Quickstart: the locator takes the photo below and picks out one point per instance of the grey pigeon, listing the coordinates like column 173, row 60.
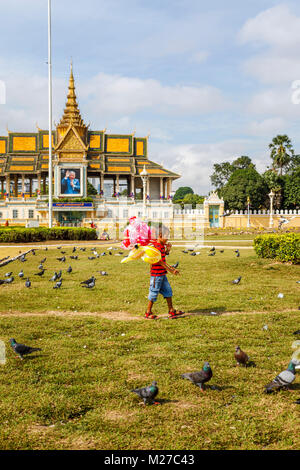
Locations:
column 297, row 332
column 103, row 273
column 103, row 254
column 212, row 249
column 175, row 265
column 199, row 378
column 90, row 285
column 284, row 379
column 82, row 249
column 237, row 281
column 297, row 402
column 2, row 282
column 41, row 266
column 238, row 254
column 23, row 259
column 54, row 277
column 21, row 274
column 33, row 252
column 9, row 280
column 74, row 249
column 69, row 270
column 41, row 273
column 91, row 257
column 58, row 285
column 8, row 274
column 27, row 283
column 147, row 393
column 59, row 274
column 21, row 349
column 88, row 281
column 43, row 260
column 212, row 254
column 74, row 257
column 63, row 259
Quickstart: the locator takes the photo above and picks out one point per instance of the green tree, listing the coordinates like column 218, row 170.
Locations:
column 181, row 192
column 90, row 189
column 243, row 183
column 281, row 152
column 193, row 199
column 223, row 171
column 291, row 190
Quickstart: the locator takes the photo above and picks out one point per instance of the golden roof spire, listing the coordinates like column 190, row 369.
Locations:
column 71, row 113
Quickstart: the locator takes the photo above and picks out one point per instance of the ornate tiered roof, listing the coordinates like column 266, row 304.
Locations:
column 72, row 141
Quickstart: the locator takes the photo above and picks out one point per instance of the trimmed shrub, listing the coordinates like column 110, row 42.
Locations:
column 285, row 247
column 25, row 235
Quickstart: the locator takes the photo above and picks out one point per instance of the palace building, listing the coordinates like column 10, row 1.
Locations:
column 95, row 174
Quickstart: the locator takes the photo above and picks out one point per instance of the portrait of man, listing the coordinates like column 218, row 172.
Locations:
column 70, row 181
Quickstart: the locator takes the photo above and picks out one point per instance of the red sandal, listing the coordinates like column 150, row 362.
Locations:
column 175, row 313
column 150, row 316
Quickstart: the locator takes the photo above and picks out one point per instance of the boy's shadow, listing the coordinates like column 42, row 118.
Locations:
column 206, row 311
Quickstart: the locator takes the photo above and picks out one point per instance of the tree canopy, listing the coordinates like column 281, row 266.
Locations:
column 181, row 192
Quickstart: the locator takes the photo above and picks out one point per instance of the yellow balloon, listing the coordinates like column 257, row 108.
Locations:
column 149, row 254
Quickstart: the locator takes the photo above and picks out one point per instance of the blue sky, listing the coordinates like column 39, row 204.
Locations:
column 209, row 81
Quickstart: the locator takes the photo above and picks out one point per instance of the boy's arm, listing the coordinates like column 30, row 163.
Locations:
column 168, row 268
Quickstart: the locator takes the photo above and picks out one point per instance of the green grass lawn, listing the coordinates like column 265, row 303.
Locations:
column 75, row 394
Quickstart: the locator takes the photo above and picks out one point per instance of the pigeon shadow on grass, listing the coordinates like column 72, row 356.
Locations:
column 250, row 364
column 294, row 387
column 164, row 401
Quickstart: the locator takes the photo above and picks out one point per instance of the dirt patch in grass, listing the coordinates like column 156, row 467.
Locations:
column 117, row 415
column 39, row 429
column 117, row 316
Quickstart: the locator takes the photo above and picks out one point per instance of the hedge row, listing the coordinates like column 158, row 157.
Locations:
column 23, row 235
column 284, row 247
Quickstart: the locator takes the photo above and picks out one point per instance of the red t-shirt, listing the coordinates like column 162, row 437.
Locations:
column 156, row 269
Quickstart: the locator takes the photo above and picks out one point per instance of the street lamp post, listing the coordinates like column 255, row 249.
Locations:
column 271, row 196
column 248, row 201
column 50, row 115
column 144, row 176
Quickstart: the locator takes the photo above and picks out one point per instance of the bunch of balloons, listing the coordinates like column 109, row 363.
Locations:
column 137, row 237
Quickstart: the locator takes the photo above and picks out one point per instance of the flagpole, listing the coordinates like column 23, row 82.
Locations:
column 50, row 115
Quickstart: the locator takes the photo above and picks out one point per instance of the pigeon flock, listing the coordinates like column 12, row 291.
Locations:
column 148, row 393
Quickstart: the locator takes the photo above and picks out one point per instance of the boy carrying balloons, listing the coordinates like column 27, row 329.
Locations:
column 159, row 283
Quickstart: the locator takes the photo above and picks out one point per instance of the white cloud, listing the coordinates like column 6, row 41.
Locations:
column 116, row 94
column 267, row 127
column 195, row 162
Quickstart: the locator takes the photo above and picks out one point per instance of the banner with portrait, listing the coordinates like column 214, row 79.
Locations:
column 70, row 182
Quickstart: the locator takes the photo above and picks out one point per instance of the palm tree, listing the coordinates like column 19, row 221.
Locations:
column 282, row 152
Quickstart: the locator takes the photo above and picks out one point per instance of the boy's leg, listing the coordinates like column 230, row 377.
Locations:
column 155, row 283
column 166, row 291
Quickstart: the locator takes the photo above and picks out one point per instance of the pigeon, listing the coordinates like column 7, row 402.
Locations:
column 27, row 283
column 147, row 393
column 297, row 402
column 43, row 260
column 2, row 282
column 238, row 254
column 90, row 285
column 88, row 281
column 74, row 257
column 212, row 249
column 221, row 251
column 23, row 259
column 284, row 379
column 63, row 252
column 58, row 285
column 212, row 254
column 54, row 277
column 82, row 249
column 41, row 266
column 59, row 247
column 33, row 252
column 91, row 257
column 21, row 349
column 59, row 274
column 74, row 249
column 297, row 332
column 69, row 270
column 110, row 252
column 184, row 251
column 193, row 254
column 237, row 281
column 199, row 378
column 46, row 249
column 63, row 259
column 175, row 265
column 8, row 274
column 21, row 274
column 41, row 273
column 103, row 273
column 103, row 254
column 9, row 280
column 240, row 356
